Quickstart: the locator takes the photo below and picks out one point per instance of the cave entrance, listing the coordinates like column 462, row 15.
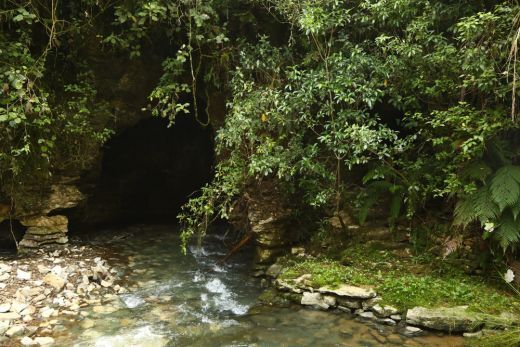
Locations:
column 148, row 172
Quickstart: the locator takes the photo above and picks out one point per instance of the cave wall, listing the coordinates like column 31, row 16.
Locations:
column 44, row 208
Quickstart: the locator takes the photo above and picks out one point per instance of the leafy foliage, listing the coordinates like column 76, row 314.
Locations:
column 416, row 96
column 44, row 126
column 411, row 92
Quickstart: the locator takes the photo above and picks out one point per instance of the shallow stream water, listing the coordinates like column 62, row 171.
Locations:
column 194, row 300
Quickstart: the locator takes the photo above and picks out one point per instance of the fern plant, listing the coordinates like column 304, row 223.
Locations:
column 380, row 182
column 495, row 204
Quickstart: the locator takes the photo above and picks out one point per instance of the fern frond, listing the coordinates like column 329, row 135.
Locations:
column 395, row 209
column 477, row 170
column 499, row 152
column 477, row 206
column 508, row 233
column 368, row 202
column 505, row 186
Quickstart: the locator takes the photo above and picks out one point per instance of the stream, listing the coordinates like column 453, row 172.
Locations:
column 194, row 300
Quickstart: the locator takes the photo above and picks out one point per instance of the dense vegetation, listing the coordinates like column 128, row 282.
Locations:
column 411, row 101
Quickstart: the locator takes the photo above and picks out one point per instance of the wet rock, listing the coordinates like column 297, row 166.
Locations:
column 352, row 304
column 384, row 311
column 410, row 331
column 317, row 300
column 396, row 317
column 451, row 319
column 368, row 304
column 104, row 309
column 344, row 309
column 367, row 315
column 283, row 285
column 387, row 321
column 87, row 324
column 349, row 291
column 44, row 341
column 274, row 270
column 15, row 330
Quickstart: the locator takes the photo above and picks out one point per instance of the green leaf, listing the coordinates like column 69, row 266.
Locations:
column 477, row 206
column 395, row 209
column 505, row 186
column 477, row 170
column 509, row 231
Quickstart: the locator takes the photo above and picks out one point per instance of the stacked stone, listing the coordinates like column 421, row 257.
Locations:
column 44, row 230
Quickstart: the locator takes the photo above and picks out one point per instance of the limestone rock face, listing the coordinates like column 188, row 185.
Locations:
column 268, row 216
column 455, row 319
column 33, row 206
column 44, row 230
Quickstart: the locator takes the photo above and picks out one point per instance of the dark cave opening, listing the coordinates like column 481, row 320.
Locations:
column 9, row 231
column 147, row 173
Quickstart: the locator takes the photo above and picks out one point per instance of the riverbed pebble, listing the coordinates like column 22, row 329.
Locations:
column 39, row 289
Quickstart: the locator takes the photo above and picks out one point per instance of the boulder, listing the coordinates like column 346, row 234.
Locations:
column 348, row 291
column 318, row 300
column 451, row 319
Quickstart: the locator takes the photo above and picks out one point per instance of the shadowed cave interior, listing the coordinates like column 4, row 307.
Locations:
column 148, row 172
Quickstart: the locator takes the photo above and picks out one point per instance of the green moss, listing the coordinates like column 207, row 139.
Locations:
column 325, row 272
column 406, row 282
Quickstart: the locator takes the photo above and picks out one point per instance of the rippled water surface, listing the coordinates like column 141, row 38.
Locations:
column 194, row 300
